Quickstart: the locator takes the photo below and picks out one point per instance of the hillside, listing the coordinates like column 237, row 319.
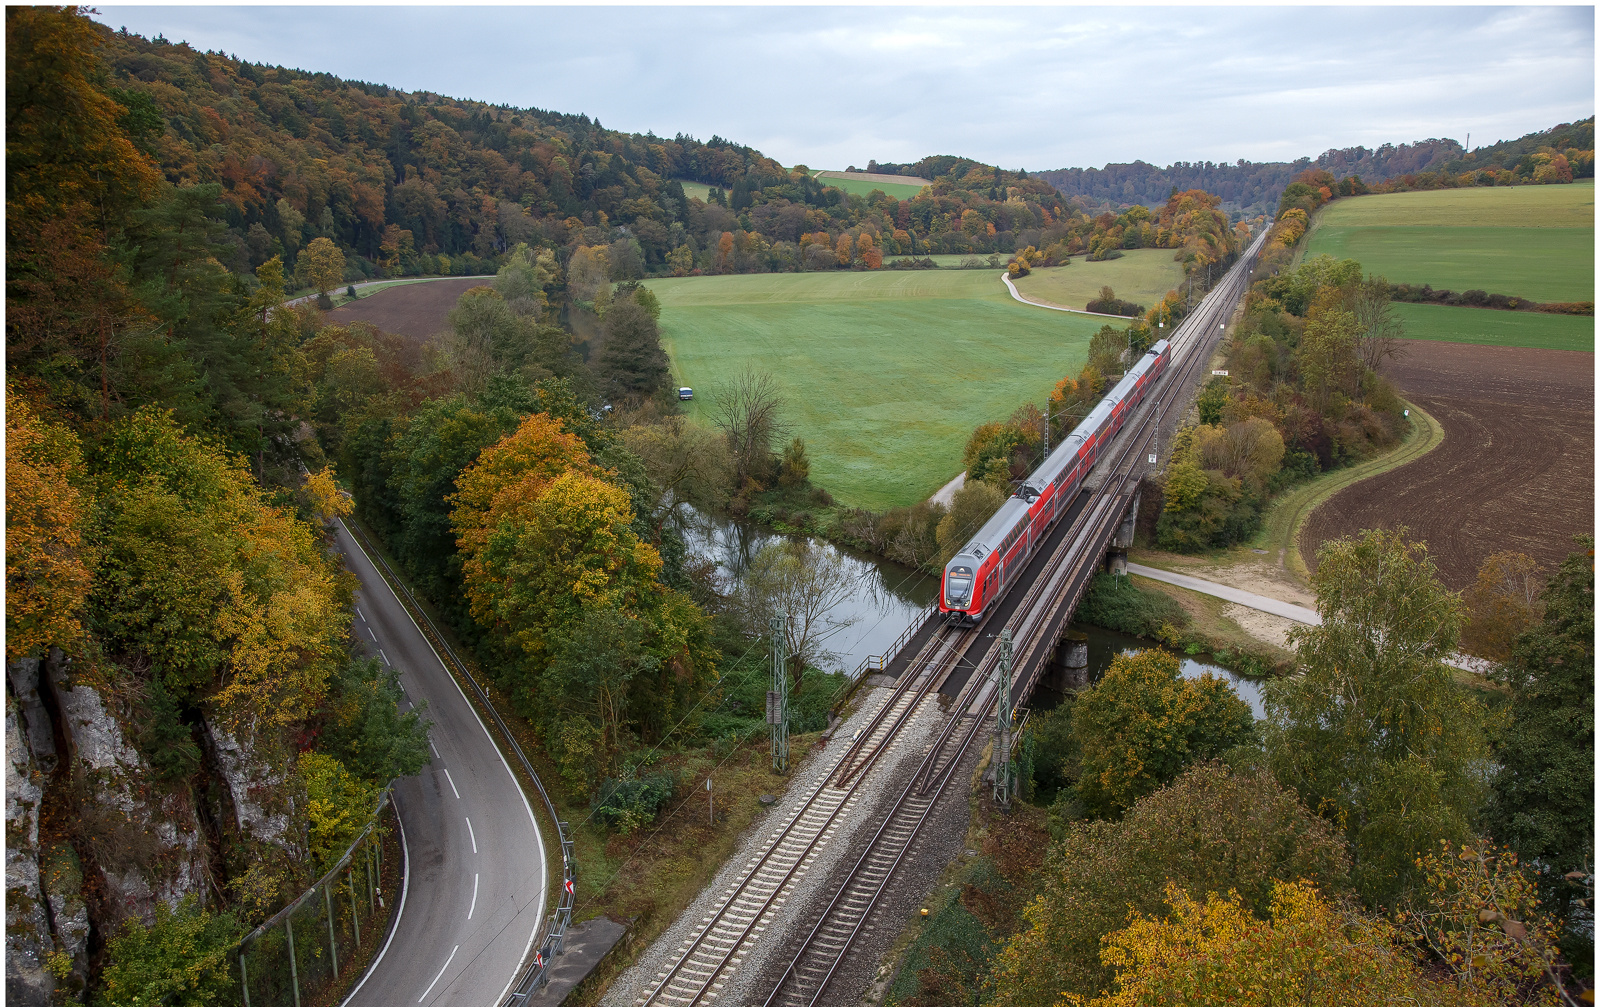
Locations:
column 1249, row 188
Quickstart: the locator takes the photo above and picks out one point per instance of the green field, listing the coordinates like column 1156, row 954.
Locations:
column 862, row 187
column 1534, row 241
column 696, row 190
column 1497, row 328
column 885, row 373
column 1142, row 275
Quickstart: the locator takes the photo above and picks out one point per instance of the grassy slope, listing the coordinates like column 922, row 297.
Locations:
column 1280, row 526
column 1142, row 275
column 1497, row 328
column 885, row 373
column 862, row 187
column 1532, row 241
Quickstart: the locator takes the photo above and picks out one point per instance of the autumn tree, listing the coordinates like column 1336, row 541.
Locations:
column 972, row 505
column 588, row 273
column 1481, row 922
column 1211, row 830
column 226, row 597
column 321, row 266
column 522, row 281
column 1374, row 732
column 1378, row 328
column 48, row 560
column 1307, row 949
column 1502, row 603
column 1144, row 723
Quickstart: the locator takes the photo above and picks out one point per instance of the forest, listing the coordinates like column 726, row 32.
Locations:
column 1250, row 189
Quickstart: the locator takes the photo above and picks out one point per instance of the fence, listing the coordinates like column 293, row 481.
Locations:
column 297, row 955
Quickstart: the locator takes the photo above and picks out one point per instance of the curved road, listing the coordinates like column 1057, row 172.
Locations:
column 476, row 880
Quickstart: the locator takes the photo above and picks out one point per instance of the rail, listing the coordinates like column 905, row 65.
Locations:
column 1064, row 577
column 555, row 928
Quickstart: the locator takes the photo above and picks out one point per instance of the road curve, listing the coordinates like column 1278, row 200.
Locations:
column 476, row 889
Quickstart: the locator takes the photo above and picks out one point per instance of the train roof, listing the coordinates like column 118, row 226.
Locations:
column 996, row 528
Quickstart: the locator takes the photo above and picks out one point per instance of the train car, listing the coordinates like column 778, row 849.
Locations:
column 978, row 576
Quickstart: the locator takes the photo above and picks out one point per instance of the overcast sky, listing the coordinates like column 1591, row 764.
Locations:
column 1021, row 86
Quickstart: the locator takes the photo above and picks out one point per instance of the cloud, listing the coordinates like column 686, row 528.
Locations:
column 1035, row 87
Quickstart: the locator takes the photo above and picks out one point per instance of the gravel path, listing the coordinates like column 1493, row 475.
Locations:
column 882, row 784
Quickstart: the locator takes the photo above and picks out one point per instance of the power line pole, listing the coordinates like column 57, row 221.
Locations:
column 1002, row 747
column 778, row 699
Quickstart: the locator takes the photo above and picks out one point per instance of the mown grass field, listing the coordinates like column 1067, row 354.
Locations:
column 885, row 373
column 1497, row 328
column 1142, row 275
column 863, row 187
column 695, row 190
column 1534, row 241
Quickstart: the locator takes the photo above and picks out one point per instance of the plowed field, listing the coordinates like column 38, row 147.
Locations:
column 1515, row 471
column 412, row 309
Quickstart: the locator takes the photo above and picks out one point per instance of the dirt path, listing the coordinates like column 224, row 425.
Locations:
column 1515, row 471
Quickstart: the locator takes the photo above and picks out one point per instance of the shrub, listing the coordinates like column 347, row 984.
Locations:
column 629, row 802
column 1115, row 603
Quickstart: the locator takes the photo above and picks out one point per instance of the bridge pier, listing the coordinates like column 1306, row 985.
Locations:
column 1068, row 670
column 1117, row 550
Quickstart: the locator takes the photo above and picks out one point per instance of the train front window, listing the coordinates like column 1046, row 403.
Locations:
column 958, row 587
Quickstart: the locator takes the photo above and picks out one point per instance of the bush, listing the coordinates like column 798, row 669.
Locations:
column 350, row 291
column 324, row 302
column 1115, row 603
column 630, row 802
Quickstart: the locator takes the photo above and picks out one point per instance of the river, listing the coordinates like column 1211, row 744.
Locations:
column 889, row 597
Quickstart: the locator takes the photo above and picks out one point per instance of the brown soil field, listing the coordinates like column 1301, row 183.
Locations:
column 1515, row 471
column 418, row 310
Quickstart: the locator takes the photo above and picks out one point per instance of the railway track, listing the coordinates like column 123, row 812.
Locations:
column 703, row 965
column 1066, row 573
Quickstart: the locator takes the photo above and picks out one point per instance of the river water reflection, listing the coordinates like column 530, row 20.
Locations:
column 887, row 599
column 1104, row 644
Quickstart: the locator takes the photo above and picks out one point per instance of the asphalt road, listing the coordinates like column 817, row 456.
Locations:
column 476, row 879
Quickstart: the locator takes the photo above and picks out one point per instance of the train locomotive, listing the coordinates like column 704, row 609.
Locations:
column 977, row 577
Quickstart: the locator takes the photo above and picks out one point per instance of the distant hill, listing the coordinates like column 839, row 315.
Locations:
column 1248, row 188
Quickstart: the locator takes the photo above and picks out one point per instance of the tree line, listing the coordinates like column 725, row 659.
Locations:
column 1250, row 189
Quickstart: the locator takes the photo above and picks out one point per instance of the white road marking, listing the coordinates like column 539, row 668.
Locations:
column 372, row 634
column 358, row 612
column 527, row 806
column 453, row 789
column 472, row 835
column 384, row 656
column 436, row 978
column 435, row 750
column 474, row 897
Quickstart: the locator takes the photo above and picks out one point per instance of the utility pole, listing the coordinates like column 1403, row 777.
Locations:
column 778, row 699
column 1002, row 746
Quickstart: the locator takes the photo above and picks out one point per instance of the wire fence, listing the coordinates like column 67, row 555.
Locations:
column 323, row 938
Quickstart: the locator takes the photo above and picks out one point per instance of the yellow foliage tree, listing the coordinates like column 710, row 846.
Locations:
column 326, row 499
column 321, row 265
column 512, row 475
column 1216, row 952
column 47, row 561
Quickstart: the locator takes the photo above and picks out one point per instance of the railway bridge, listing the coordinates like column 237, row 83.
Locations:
column 765, row 935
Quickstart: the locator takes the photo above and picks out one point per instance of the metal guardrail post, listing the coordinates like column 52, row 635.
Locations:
column 333, row 938
column 294, row 968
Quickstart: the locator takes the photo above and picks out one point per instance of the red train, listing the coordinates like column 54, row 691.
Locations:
column 979, row 575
